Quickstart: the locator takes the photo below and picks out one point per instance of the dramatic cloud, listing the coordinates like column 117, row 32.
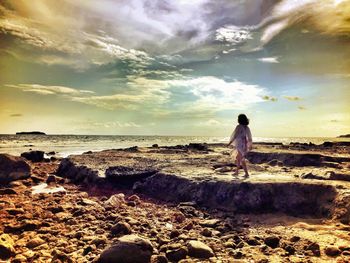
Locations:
column 232, row 34
column 208, row 94
column 316, row 14
column 196, row 62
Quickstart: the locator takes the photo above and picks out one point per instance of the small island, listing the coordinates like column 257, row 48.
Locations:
column 31, row 133
column 344, row 136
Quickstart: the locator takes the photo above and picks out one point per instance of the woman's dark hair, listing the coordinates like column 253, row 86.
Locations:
column 242, row 119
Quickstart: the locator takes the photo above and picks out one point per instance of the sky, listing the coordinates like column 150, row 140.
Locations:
column 167, row 67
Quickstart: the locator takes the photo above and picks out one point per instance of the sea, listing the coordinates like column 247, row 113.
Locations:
column 64, row 145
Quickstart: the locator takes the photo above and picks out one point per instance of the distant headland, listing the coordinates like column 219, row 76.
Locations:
column 31, row 133
column 344, row 136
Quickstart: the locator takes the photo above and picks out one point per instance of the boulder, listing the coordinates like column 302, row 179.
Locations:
column 6, row 247
column 177, row 254
column 34, row 156
column 272, row 241
column 13, row 168
column 128, row 249
column 332, row 251
column 198, row 249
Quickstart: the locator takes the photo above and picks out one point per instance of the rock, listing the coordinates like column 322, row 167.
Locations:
column 288, row 247
column 198, row 249
column 155, row 145
column 293, row 159
column 174, row 233
column 19, row 259
column 121, row 228
column 51, row 179
column 272, row 241
column 339, row 177
column 253, row 242
column 25, row 225
column 13, row 168
column 15, row 211
column 237, row 254
column 127, row 176
column 294, row 239
column 312, row 176
column 177, row 254
column 210, row 222
column 159, row 259
column 87, row 202
column 7, row 191
column 34, row 156
column 179, row 217
column 128, row 249
column 328, row 144
column 37, row 179
column 99, row 241
column 6, row 247
column 115, row 200
column 59, row 256
column 206, row 232
column 332, row 251
column 314, row 248
column 134, row 198
column 35, row 242
column 198, row 146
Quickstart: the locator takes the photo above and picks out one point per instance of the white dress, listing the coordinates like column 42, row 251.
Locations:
column 241, row 140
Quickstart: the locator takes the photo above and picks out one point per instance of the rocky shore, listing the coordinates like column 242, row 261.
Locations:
column 177, row 204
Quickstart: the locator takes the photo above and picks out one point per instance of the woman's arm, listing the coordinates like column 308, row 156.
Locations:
column 233, row 136
column 249, row 139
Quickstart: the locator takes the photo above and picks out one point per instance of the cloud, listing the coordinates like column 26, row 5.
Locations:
column 204, row 94
column 265, row 97
column 292, row 98
column 301, row 108
column 215, row 94
column 16, row 115
column 114, row 124
column 269, row 60
column 232, row 34
column 213, row 123
column 229, row 50
column 312, row 13
column 140, row 92
column 49, row 90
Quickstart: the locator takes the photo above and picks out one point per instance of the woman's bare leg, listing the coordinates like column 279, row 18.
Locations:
column 244, row 166
column 238, row 162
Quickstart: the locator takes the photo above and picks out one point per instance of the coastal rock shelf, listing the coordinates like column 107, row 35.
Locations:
column 294, row 198
column 204, row 175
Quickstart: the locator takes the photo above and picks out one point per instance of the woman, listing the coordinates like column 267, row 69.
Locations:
column 241, row 139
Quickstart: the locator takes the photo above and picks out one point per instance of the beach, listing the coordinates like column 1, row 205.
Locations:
column 180, row 203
